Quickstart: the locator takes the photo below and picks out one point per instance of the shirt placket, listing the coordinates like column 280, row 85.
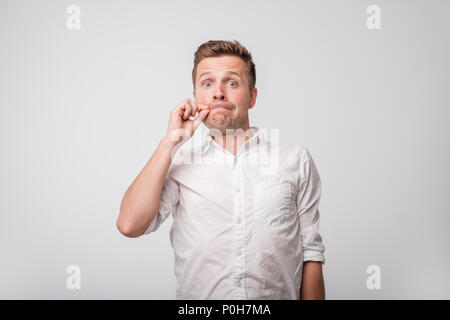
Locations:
column 239, row 232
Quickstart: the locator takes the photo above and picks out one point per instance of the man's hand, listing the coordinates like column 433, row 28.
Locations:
column 180, row 126
column 141, row 201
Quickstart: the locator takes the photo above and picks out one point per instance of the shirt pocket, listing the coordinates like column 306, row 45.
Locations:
column 273, row 202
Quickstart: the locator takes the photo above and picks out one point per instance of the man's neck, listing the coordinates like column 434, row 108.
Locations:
column 233, row 142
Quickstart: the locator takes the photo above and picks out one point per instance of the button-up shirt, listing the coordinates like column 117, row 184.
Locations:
column 243, row 224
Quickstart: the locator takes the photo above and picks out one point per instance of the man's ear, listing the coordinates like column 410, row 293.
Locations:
column 253, row 98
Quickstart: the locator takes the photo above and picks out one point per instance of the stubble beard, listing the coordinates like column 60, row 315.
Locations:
column 223, row 122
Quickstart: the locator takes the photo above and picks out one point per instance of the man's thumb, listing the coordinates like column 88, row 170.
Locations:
column 200, row 117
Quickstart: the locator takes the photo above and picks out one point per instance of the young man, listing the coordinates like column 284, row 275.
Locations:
column 238, row 232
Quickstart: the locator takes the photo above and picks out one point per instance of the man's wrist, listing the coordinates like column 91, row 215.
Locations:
column 168, row 142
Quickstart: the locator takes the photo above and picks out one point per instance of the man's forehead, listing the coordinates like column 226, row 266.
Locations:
column 231, row 63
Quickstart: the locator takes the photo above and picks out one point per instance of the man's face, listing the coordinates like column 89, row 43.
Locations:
column 222, row 84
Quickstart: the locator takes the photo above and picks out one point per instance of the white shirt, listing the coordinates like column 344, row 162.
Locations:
column 241, row 228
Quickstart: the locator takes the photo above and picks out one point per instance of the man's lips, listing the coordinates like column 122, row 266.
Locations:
column 220, row 107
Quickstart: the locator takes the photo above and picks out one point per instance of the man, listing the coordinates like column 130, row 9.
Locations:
column 238, row 232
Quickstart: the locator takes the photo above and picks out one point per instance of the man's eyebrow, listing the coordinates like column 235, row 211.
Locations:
column 235, row 73
column 228, row 72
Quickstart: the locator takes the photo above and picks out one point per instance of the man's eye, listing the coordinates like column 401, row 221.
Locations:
column 233, row 83
column 207, row 84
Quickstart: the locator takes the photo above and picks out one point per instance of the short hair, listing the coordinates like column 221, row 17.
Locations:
column 217, row 48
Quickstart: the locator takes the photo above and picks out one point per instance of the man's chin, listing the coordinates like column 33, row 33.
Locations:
column 219, row 122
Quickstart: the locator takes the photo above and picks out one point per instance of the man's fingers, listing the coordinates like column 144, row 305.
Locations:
column 199, row 106
column 200, row 118
column 203, row 107
column 187, row 111
column 194, row 107
column 203, row 114
column 188, row 108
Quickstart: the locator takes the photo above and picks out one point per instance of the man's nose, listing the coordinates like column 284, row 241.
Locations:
column 219, row 94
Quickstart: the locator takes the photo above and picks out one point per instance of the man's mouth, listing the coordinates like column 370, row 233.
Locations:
column 221, row 107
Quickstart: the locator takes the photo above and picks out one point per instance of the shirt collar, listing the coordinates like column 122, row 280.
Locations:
column 257, row 136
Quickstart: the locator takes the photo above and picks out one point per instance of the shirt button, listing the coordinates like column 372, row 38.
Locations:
column 238, row 284
column 238, row 252
column 238, row 220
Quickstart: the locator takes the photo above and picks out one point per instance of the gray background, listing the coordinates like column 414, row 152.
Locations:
column 82, row 112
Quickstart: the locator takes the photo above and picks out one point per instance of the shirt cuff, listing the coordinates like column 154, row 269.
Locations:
column 153, row 225
column 313, row 255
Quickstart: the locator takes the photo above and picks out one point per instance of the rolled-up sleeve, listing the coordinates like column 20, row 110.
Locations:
column 308, row 200
column 167, row 204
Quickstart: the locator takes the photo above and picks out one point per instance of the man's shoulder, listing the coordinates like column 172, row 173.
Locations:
column 293, row 150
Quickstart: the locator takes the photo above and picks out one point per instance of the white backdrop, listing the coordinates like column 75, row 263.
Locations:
column 82, row 111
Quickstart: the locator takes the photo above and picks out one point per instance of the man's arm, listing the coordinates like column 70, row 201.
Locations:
column 313, row 286
column 308, row 199
column 141, row 201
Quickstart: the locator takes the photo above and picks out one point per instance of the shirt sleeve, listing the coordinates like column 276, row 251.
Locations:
column 308, row 209
column 167, row 204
